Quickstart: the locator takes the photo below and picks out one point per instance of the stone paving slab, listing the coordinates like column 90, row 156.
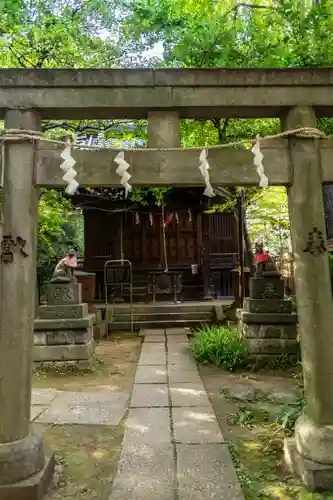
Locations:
column 181, row 360
column 150, row 347
column 154, row 338
column 149, row 395
column 182, row 348
column 95, row 408
column 152, row 358
column 43, row 396
column 35, row 411
column 145, row 472
column 205, row 471
column 177, row 338
column 177, row 373
column 151, row 375
column 177, row 331
column 153, row 331
column 191, row 394
column 196, row 426
column 148, row 425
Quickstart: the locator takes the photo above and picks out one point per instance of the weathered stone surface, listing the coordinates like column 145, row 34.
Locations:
column 206, row 471
column 100, row 331
column 95, row 408
column 267, row 305
column 76, row 94
column 154, row 338
column 62, row 311
column 270, row 318
column 316, row 476
column 178, row 373
column 196, row 425
column 148, row 425
column 185, row 361
column 43, row 396
column 266, row 288
column 163, row 129
column 145, row 472
column 152, row 358
column 188, row 394
column 152, row 331
column 36, row 411
column 63, row 352
column 40, row 338
column 149, row 395
column 64, row 294
column 32, row 488
column 313, row 288
column 176, row 338
column 18, row 284
column 64, row 324
column 271, row 346
column 151, row 374
column 63, row 337
column 177, row 331
column 253, row 330
column 21, row 459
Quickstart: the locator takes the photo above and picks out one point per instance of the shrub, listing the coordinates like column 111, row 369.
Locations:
column 220, row 345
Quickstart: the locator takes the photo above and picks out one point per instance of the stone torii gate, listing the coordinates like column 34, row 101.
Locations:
column 164, row 97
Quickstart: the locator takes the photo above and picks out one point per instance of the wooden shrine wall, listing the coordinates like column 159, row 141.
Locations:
column 138, row 236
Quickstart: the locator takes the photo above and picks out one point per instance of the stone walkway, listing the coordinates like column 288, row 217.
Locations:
column 173, row 448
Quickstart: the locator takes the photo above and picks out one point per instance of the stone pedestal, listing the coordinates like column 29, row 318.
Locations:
column 266, row 320
column 100, row 326
column 63, row 329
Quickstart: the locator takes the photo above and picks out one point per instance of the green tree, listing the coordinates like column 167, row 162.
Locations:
column 206, row 33
column 60, row 228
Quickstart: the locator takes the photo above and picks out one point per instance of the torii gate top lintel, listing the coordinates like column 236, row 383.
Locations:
column 193, row 93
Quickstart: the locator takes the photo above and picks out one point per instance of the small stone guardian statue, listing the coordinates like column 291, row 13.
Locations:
column 64, row 270
column 264, row 264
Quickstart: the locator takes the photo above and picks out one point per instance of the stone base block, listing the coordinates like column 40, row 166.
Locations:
column 281, row 306
column 75, row 352
column 271, row 346
column 266, row 318
column 266, row 288
column 72, row 311
column 33, row 488
column 315, row 476
column 64, row 293
column 100, row 331
column 63, row 337
column 254, row 331
column 64, row 324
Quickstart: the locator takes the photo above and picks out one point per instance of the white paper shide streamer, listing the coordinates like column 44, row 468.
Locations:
column 257, row 160
column 122, row 171
column 70, row 172
column 204, row 169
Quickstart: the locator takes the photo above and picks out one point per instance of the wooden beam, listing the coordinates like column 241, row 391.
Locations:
column 166, row 168
column 194, row 93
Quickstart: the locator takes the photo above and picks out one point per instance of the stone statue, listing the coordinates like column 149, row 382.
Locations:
column 264, row 264
column 64, row 270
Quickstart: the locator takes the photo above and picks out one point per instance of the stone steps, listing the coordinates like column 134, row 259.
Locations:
column 162, row 317
column 126, row 326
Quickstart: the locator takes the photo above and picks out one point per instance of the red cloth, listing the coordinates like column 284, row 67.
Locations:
column 261, row 257
column 71, row 261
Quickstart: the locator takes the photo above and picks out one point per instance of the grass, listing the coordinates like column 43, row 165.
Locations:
column 88, row 458
column 220, row 345
column 224, row 347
